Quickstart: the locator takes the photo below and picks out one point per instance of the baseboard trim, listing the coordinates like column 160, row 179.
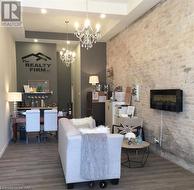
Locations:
column 172, row 158
column 3, row 150
column 180, row 162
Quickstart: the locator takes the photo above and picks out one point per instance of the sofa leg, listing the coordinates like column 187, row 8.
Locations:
column 70, row 185
column 114, row 181
column 91, row 184
column 27, row 138
column 102, row 184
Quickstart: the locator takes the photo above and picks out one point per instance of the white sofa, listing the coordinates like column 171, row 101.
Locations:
column 69, row 147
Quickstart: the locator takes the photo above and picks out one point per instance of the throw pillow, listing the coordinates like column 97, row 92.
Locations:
column 99, row 129
column 83, row 126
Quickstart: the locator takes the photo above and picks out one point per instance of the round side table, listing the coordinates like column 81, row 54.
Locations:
column 137, row 154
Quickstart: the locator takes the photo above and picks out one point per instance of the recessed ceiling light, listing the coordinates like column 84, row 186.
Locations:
column 102, row 16
column 68, row 42
column 35, row 40
column 43, row 11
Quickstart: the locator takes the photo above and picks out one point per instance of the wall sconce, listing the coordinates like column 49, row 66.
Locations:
column 15, row 97
column 135, row 92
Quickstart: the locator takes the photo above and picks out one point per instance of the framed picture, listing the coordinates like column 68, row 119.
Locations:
column 26, row 88
column 95, row 96
column 109, row 72
column 102, row 99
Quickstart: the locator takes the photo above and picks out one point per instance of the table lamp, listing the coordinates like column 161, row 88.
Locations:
column 93, row 79
column 15, row 97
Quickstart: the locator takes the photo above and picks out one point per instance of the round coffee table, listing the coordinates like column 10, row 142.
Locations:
column 137, row 154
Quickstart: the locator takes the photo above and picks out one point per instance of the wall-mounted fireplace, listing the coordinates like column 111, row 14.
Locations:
column 167, row 99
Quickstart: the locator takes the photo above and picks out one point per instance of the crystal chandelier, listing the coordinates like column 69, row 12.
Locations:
column 67, row 56
column 87, row 35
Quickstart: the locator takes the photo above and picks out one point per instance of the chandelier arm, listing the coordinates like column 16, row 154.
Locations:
column 87, row 9
column 67, row 56
column 87, row 35
column 67, row 22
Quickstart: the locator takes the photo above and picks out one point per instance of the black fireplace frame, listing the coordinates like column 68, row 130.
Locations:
column 167, row 99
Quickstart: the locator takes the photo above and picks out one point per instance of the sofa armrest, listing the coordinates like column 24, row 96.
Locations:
column 115, row 144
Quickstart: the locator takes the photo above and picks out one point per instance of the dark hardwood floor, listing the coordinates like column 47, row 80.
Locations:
column 37, row 166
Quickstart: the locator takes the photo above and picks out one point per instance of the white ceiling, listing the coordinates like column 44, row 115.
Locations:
column 120, row 13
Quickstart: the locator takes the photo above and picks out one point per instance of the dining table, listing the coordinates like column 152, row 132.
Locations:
column 20, row 121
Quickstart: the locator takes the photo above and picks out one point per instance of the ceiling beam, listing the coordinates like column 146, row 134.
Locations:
column 94, row 6
column 50, row 35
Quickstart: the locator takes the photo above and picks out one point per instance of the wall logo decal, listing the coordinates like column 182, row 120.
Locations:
column 38, row 62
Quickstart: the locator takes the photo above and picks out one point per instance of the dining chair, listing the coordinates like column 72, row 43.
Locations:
column 50, row 121
column 32, row 123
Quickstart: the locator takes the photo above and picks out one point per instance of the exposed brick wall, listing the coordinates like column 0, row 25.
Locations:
column 157, row 52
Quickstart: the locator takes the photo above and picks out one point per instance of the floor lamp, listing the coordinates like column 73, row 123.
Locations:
column 15, row 97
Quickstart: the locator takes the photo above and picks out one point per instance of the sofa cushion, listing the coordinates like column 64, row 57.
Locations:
column 84, row 121
column 82, row 126
column 68, row 126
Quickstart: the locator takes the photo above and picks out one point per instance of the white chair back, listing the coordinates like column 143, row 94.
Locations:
column 50, row 120
column 33, row 120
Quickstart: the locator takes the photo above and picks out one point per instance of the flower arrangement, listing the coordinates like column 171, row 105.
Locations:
column 131, row 137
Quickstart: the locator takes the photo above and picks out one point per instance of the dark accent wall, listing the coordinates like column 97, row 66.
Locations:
column 76, row 83
column 93, row 61
column 23, row 73
column 63, row 85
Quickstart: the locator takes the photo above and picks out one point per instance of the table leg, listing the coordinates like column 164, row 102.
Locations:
column 145, row 156
column 14, row 132
column 127, row 161
column 142, row 158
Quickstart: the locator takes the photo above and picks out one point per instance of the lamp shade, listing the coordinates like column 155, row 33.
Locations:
column 93, row 79
column 14, row 96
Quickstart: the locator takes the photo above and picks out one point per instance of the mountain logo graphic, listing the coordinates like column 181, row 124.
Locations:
column 36, row 57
